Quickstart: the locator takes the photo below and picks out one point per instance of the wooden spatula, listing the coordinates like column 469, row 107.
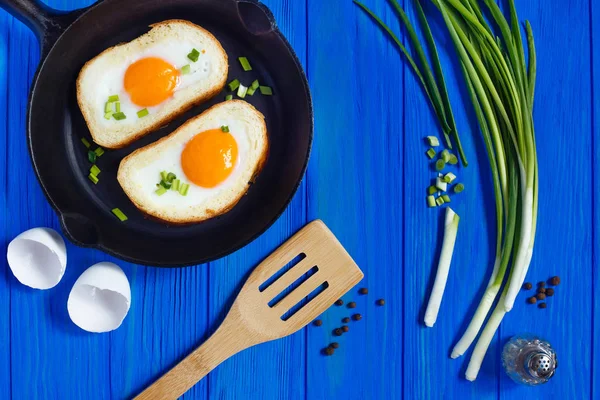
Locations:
column 262, row 312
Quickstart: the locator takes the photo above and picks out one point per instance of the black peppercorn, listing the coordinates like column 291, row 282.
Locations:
column 549, row 292
column 345, row 328
column 541, row 284
column 337, row 332
column 542, row 305
column 541, row 290
column 351, row 304
column 531, row 300
column 334, row 345
column 363, row 291
column 328, row 351
column 318, row 322
column 555, row 280
column 380, row 302
column 527, row 286
column 340, row 302
column 356, row 317
column 540, row 296
column 345, row 320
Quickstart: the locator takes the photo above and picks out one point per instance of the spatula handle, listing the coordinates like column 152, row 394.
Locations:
column 220, row 346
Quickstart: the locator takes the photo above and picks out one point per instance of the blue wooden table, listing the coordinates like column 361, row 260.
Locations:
column 366, row 179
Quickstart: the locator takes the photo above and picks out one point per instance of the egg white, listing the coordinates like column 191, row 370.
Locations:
column 169, row 160
column 170, row 50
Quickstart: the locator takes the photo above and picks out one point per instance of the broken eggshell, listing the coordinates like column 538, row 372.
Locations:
column 38, row 258
column 100, row 298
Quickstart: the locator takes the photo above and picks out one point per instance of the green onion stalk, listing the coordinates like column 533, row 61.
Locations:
column 502, row 90
column 501, row 86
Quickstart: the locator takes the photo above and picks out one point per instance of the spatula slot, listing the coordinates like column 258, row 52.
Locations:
column 281, row 272
column 290, row 313
column 293, row 286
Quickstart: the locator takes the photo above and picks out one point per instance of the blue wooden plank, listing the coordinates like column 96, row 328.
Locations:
column 355, row 186
column 5, row 377
column 595, row 40
column 428, row 349
column 274, row 370
column 563, row 243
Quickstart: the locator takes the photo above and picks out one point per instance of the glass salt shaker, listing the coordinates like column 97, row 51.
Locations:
column 529, row 360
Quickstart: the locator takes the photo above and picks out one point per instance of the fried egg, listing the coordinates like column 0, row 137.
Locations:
column 218, row 154
column 154, row 77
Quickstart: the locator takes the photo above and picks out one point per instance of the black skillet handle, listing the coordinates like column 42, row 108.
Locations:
column 47, row 23
column 255, row 16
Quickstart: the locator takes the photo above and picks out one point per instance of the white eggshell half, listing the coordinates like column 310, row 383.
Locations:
column 38, row 258
column 100, row 298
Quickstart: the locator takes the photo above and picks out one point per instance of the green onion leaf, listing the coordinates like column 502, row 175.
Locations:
column 446, row 198
column 225, row 128
column 175, row 185
column 439, row 201
column 113, row 98
column 433, row 141
column 108, row 115
column 234, row 84
column 245, row 64
column 431, row 201
column 93, row 178
column 242, row 90
column 163, row 175
column 108, row 107
column 432, row 189
column 118, row 106
column 85, row 142
column 194, row 54
column 183, row 189
column 165, row 184
column 94, row 170
column 99, row 151
column 122, row 217
column 255, row 84
column 92, row 156
column 142, row 113
column 229, row 97
column 449, row 177
column 453, row 159
column 119, row 116
column 250, row 92
column 459, row 188
column 171, row 177
column 160, row 191
column 266, row 90
column 440, row 165
column 445, row 155
column 185, row 69
column 430, row 153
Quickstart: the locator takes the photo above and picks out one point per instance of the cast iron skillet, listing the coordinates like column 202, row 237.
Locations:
column 55, row 126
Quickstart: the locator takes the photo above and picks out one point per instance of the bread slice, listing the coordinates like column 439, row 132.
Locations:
column 170, row 40
column 139, row 172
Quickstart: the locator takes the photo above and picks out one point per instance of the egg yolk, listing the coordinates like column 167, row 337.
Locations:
column 150, row 81
column 208, row 159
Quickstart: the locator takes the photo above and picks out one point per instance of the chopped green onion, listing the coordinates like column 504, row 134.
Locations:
column 118, row 106
column 266, row 90
column 108, row 115
column 440, row 165
column 85, row 142
column 92, row 156
column 185, row 69
column 122, row 217
column 234, row 84
column 245, row 64
column 433, row 141
column 250, row 92
column 113, row 98
column 194, row 54
column 99, row 151
column 453, row 159
column 108, row 107
column 93, row 178
column 441, row 276
column 171, row 177
column 175, row 185
column 119, row 116
column 142, row 113
column 430, row 153
column 255, row 84
column 459, row 188
column 449, row 177
column 431, row 201
column 94, row 170
column 160, row 191
column 242, row 90
column 439, row 201
column 165, row 184
column 446, row 198
column 225, row 128
column 229, row 97
column 183, row 189
column 445, row 155
column 163, row 175
column 440, row 184
column 432, row 189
